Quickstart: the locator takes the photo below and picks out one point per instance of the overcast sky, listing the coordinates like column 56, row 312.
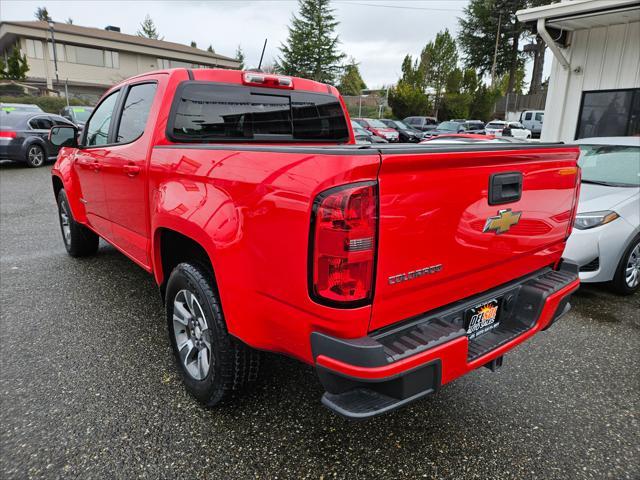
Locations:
column 377, row 33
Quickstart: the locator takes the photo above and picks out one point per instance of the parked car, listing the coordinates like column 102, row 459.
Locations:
column 77, row 114
column 19, row 107
column 474, row 127
column 407, row 134
column 267, row 228
column 363, row 136
column 378, row 128
column 516, row 130
column 605, row 242
column 532, row 120
column 508, row 129
column 24, row 137
column 424, row 124
column 447, row 128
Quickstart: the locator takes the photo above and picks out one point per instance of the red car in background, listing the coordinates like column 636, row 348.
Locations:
column 378, row 128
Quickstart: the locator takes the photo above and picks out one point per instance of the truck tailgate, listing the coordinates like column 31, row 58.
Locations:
column 437, row 241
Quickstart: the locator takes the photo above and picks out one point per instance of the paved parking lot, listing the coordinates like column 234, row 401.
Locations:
column 89, row 388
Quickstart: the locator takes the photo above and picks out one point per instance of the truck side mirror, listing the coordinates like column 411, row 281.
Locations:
column 64, row 136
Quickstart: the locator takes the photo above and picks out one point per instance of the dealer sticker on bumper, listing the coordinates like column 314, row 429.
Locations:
column 482, row 318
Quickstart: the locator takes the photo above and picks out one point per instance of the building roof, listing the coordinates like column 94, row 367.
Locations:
column 119, row 37
column 579, row 14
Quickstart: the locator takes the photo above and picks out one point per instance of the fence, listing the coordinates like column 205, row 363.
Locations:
column 516, row 103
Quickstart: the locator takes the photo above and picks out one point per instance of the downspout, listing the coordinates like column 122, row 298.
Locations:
column 553, row 46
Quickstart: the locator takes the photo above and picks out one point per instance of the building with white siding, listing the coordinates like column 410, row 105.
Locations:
column 594, row 87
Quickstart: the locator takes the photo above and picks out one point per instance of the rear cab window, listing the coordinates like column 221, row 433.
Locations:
column 213, row 112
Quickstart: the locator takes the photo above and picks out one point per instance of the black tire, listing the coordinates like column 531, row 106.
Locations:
column 619, row 283
column 78, row 239
column 233, row 365
column 35, row 156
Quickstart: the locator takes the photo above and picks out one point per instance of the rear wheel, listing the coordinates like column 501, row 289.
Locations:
column 35, row 156
column 214, row 364
column 627, row 278
column 78, row 239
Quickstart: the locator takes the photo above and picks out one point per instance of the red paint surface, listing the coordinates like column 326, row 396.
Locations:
column 251, row 210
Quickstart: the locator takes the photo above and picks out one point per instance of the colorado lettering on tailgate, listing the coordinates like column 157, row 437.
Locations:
column 267, row 228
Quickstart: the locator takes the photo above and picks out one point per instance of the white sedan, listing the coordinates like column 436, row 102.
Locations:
column 500, row 128
column 605, row 241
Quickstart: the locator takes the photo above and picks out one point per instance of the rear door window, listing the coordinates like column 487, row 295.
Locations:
column 41, row 123
column 206, row 111
column 135, row 112
column 527, row 116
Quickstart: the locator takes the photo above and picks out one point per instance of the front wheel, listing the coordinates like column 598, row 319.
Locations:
column 78, row 239
column 214, row 364
column 627, row 278
column 35, row 156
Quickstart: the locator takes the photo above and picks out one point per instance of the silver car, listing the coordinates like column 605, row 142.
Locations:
column 605, row 242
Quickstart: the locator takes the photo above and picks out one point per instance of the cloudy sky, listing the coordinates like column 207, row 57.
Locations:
column 377, row 33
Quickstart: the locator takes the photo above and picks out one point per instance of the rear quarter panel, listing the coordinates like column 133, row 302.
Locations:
column 251, row 211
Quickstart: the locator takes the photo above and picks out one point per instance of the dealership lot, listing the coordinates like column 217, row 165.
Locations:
column 89, row 387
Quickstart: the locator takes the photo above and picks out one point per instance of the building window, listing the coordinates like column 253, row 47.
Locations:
column 60, row 57
column 34, row 49
column 163, row 63
column 609, row 113
column 92, row 56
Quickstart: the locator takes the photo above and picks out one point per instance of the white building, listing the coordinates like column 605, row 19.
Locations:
column 594, row 87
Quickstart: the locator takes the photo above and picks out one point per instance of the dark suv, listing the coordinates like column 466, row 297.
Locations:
column 424, row 124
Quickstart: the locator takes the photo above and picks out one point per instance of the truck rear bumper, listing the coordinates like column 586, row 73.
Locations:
column 395, row 366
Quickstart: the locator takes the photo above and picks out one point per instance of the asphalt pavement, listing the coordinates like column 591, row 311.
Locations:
column 89, row 388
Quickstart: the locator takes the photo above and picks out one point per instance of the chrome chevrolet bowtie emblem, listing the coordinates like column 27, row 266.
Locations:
column 502, row 222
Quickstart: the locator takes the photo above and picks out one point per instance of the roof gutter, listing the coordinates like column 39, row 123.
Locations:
column 553, row 46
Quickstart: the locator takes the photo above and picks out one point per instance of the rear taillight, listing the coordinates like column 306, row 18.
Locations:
column 343, row 245
column 7, row 134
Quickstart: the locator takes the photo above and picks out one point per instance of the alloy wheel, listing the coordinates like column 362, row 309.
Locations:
column 35, row 156
column 632, row 271
column 192, row 335
column 65, row 222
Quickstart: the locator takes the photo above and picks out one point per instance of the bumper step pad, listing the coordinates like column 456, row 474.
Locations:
column 521, row 304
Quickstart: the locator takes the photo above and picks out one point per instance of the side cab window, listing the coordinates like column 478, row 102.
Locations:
column 97, row 128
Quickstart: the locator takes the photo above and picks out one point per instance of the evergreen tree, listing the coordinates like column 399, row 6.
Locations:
column 438, row 59
column 210, row 49
column 42, row 14
column 17, row 66
column 477, row 37
column 311, row 50
column 408, row 100
column 351, row 82
column 240, row 57
column 194, row 44
column 148, row 29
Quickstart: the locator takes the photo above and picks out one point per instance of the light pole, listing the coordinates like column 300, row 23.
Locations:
column 53, row 47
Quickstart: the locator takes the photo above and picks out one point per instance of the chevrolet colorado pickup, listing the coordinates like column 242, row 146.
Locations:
column 393, row 269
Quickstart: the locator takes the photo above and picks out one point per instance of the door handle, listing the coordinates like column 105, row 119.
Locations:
column 96, row 166
column 132, row 170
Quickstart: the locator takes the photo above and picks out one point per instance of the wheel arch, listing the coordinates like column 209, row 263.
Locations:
column 172, row 247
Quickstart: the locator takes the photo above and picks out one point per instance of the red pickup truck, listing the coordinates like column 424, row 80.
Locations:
column 393, row 269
